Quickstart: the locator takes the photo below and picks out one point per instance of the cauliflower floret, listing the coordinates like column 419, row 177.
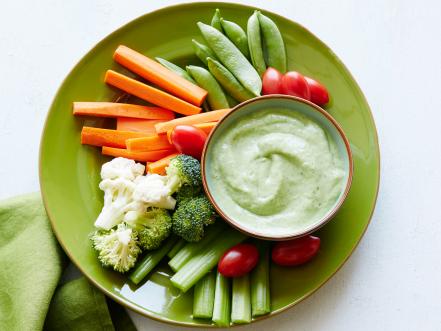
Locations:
column 122, row 168
column 153, row 190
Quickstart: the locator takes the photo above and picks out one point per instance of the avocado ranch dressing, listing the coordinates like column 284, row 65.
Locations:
column 276, row 171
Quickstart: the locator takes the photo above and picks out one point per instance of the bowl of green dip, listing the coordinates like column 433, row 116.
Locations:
column 277, row 167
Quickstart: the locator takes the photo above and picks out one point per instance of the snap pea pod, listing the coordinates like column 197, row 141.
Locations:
column 237, row 35
column 216, row 97
column 203, row 51
column 176, row 69
column 232, row 58
column 273, row 41
column 255, row 44
column 227, row 80
column 231, row 101
column 216, row 20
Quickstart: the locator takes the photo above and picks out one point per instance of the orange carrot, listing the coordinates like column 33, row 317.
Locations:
column 159, row 166
column 105, row 137
column 159, row 75
column 137, row 156
column 150, row 143
column 150, row 94
column 206, row 127
column 113, row 109
column 210, row 116
column 137, row 125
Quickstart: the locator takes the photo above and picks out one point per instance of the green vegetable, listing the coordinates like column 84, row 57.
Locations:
column 191, row 217
column 202, row 51
column 205, row 260
column 231, row 101
column 151, row 260
column 255, row 44
column 187, row 192
column 176, row 248
column 237, row 35
column 222, row 301
column 228, row 81
column 176, row 69
column 152, row 226
column 260, row 283
column 203, row 296
column 273, row 41
column 240, row 302
column 190, row 249
column 117, row 248
column 216, row 20
column 232, row 58
column 216, row 97
column 183, row 170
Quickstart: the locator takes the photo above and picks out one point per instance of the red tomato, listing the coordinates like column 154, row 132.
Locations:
column 319, row 94
column 293, row 83
column 238, row 260
column 295, row 252
column 271, row 81
column 189, row 140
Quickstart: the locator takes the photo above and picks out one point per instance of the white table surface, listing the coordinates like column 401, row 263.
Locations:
column 393, row 48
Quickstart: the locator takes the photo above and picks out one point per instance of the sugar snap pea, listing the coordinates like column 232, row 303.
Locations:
column 203, row 51
column 216, row 97
column 255, row 44
column 227, row 80
column 273, row 41
column 216, row 20
column 232, row 58
column 176, row 69
column 237, row 35
column 231, row 101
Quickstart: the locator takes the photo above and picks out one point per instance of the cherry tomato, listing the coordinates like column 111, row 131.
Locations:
column 189, row 140
column 238, row 260
column 293, row 83
column 319, row 94
column 295, row 252
column 271, row 81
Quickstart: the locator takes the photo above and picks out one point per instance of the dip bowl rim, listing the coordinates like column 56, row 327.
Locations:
column 295, row 234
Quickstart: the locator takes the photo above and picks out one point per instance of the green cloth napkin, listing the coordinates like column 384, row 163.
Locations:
column 31, row 265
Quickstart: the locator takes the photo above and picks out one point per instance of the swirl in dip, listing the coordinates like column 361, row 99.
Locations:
column 276, row 171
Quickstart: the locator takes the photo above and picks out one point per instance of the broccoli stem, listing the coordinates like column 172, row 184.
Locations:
column 260, row 283
column 190, row 249
column 176, row 248
column 241, row 305
column 206, row 259
column 203, row 296
column 151, row 260
column 222, row 301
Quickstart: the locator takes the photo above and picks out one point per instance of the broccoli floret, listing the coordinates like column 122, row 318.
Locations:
column 183, row 170
column 187, row 192
column 191, row 216
column 117, row 248
column 152, row 227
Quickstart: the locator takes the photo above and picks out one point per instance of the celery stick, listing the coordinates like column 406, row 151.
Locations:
column 260, row 283
column 176, row 248
column 190, row 249
column 151, row 260
column 222, row 301
column 203, row 296
column 206, row 259
column 241, row 303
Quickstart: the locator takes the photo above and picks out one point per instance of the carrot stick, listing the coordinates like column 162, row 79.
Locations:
column 210, row 116
column 151, row 143
column 159, row 166
column 113, row 109
column 137, row 125
column 137, row 156
column 150, row 94
column 159, row 75
column 206, row 127
column 105, row 137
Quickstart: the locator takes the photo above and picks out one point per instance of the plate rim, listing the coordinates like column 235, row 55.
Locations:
column 125, row 302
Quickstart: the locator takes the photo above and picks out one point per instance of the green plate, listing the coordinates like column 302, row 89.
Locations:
column 69, row 172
